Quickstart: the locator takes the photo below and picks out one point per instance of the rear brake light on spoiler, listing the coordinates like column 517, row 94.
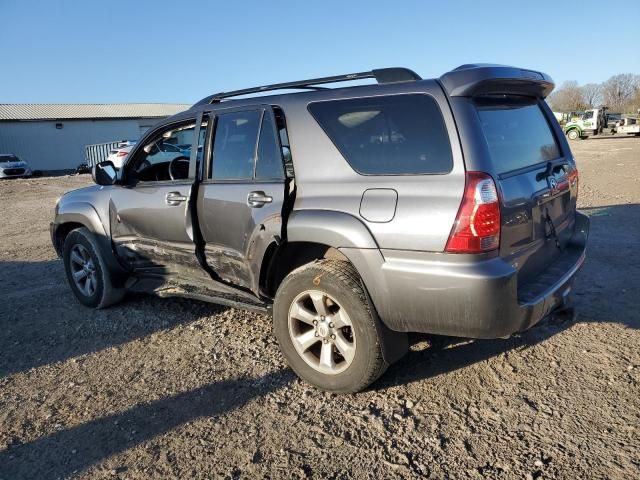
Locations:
column 477, row 226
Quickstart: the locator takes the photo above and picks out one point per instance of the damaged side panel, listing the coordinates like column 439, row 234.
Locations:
column 236, row 234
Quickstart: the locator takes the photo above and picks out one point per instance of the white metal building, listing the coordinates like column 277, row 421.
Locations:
column 53, row 136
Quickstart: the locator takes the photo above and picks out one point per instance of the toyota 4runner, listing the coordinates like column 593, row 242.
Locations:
column 352, row 215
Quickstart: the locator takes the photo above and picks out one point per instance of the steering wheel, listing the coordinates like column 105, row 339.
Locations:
column 172, row 167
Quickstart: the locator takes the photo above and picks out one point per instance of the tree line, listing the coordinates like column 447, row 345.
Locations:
column 621, row 94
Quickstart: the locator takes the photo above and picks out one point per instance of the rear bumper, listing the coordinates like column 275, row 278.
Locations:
column 452, row 295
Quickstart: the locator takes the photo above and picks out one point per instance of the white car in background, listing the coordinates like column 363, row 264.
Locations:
column 11, row 166
column 120, row 154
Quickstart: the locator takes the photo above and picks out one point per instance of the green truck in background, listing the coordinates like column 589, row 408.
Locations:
column 596, row 121
column 591, row 122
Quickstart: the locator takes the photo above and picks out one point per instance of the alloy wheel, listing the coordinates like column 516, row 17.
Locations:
column 322, row 332
column 83, row 270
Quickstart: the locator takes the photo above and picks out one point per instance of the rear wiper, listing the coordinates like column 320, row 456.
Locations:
column 551, row 169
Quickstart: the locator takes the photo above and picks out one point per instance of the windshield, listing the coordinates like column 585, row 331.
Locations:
column 517, row 132
column 9, row 158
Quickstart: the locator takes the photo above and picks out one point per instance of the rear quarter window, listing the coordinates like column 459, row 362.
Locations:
column 388, row 135
column 517, row 132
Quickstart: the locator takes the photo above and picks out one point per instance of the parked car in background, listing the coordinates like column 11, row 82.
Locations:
column 11, row 166
column 119, row 155
column 613, row 119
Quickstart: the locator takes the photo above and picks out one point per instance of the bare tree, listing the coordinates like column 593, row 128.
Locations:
column 619, row 91
column 592, row 94
column 634, row 103
column 568, row 98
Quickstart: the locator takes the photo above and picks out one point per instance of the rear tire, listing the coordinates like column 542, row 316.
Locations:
column 86, row 271
column 326, row 329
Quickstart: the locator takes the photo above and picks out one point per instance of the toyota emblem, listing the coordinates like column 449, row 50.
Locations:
column 553, row 183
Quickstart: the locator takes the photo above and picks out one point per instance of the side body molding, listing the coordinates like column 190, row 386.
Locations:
column 336, row 229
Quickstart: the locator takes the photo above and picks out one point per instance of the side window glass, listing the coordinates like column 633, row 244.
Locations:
column 167, row 156
column 269, row 161
column 234, row 145
column 388, row 135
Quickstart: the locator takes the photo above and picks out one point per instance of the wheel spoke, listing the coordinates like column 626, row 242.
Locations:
column 299, row 312
column 346, row 348
column 341, row 319
column 307, row 339
column 93, row 283
column 326, row 356
column 76, row 258
column 84, row 253
column 87, row 286
column 319, row 300
column 79, row 275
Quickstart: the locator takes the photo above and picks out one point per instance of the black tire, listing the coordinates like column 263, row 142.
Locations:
column 104, row 293
column 339, row 280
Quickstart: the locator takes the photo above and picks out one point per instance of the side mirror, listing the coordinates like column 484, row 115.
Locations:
column 104, row 173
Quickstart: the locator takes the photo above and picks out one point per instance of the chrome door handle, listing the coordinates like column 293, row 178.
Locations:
column 258, row 199
column 175, row 198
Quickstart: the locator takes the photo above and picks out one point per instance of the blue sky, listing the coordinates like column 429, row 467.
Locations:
column 181, row 50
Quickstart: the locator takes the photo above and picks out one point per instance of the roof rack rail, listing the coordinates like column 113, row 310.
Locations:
column 382, row 75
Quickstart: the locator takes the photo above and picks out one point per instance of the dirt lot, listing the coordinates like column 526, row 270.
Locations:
column 181, row 389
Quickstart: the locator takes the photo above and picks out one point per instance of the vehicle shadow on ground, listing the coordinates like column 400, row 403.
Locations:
column 43, row 323
column 448, row 354
column 67, row 452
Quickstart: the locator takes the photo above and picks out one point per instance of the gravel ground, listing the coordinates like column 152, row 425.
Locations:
column 174, row 388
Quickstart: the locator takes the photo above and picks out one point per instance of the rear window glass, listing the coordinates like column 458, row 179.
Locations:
column 517, row 133
column 388, row 135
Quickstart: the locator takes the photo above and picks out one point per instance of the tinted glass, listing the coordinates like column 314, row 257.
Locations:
column 234, row 146
column 517, row 133
column 390, row 135
column 269, row 162
column 8, row 158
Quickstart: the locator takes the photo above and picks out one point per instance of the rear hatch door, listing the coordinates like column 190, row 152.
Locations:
column 537, row 183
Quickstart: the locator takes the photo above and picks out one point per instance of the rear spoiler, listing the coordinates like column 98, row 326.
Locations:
column 485, row 79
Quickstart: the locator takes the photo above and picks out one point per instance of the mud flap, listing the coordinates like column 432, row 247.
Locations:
column 395, row 345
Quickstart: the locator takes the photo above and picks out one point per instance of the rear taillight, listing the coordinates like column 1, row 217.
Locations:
column 477, row 226
column 122, row 154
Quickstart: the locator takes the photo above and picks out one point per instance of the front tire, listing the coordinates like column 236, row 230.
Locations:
column 86, row 271
column 573, row 134
column 326, row 328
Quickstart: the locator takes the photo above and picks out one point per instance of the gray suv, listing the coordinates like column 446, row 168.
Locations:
column 352, row 215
